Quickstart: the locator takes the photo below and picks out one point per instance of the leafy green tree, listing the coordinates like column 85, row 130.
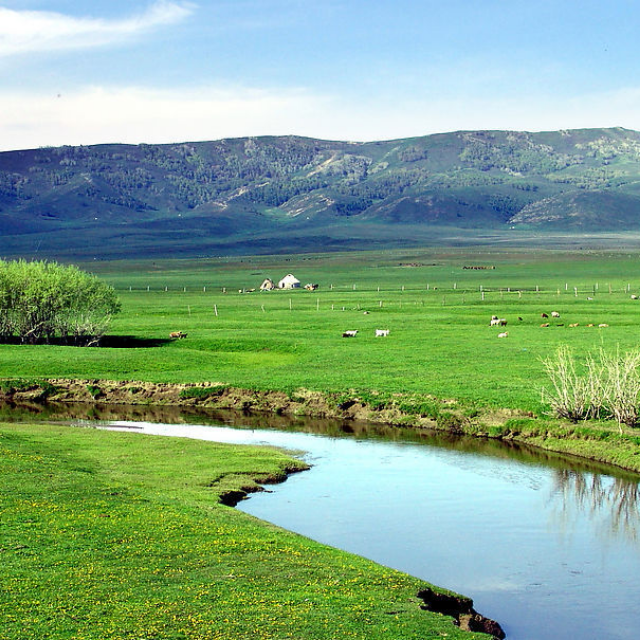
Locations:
column 43, row 301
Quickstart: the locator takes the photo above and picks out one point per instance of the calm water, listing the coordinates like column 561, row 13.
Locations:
column 547, row 548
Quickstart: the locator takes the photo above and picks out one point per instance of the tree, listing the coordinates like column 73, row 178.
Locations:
column 43, row 301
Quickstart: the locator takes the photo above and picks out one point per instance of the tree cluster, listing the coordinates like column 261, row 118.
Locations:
column 45, row 302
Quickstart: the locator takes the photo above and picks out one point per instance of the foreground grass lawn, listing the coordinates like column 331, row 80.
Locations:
column 117, row 536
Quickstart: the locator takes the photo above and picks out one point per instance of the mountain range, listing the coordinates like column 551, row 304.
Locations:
column 294, row 194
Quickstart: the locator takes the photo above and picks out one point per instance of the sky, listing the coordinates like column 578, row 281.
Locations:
column 157, row 71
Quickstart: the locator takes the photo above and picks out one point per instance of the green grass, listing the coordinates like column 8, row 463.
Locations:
column 440, row 342
column 118, row 536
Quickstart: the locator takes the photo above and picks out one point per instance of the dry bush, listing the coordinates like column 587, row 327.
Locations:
column 606, row 386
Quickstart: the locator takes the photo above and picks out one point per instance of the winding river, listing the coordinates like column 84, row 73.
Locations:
column 547, row 546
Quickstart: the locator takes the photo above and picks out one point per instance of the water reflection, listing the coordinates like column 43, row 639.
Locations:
column 611, row 502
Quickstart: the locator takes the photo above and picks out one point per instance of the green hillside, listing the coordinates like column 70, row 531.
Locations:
column 273, row 194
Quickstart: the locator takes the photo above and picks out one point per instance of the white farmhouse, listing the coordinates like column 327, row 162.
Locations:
column 289, row 282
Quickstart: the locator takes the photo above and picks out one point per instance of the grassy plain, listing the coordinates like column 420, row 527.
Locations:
column 116, row 536
column 100, row 541
column 438, row 313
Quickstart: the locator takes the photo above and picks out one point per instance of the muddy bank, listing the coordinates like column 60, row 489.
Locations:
column 419, row 412
column 394, row 410
column 462, row 611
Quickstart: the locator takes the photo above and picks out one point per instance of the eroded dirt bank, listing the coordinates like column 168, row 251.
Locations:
column 397, row 410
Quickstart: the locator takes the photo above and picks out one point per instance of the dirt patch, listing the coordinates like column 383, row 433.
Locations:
column 461, row 609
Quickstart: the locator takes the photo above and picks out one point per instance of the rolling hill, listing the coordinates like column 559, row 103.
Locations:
column 292, row 194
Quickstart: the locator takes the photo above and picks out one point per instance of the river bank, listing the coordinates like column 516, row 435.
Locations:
column 138, row 544
column 599, row 441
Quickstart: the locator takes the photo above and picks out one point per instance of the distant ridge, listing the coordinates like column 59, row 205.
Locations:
column 290, row 194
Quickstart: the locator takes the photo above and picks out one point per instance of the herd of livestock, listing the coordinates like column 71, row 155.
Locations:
column 502, row 322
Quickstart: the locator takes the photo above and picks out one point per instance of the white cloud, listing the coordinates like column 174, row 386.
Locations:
column 134, row 115
column 38, row 31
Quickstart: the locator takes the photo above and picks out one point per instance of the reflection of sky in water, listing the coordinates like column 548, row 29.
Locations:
column 534, row 546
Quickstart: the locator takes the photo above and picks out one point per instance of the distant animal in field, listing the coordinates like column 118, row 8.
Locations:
column 177, row 335
column 382, row 333
column 504, row 334
column 494, row 321
column 544, row 324
column 544, row 315
column 310, row 287
column 555, row 314
column 350, row 334
column 519, row 319
column 575, row 324
column 603, row 325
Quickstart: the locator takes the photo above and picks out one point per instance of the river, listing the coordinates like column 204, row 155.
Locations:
column 546, row 546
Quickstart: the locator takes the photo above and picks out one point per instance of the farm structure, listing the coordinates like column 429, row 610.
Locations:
column 289, row 282
column 268, row 285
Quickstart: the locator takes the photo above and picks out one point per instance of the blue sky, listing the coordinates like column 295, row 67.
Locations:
column 157, row 71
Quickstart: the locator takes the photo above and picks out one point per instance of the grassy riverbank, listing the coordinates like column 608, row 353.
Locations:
column 442, row 364
column 116, row 536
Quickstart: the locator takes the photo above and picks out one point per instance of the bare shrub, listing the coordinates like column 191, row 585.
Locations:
column 569, row 397
column 622, row 385
column 606, row 386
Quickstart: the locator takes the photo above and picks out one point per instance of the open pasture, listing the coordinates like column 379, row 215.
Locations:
column 436, row 308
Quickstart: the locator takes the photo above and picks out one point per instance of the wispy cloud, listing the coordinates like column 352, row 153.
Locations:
column 38, row 31
column 94, row 115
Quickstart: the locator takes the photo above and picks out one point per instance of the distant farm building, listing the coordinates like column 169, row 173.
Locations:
column 268, row 285
column 289, row 282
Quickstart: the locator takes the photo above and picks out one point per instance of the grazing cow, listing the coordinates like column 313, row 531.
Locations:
column 494, row 321
column 177, row 335
column 502, row 322
column 349, row 334
column 382, row 333
column 310, row 287
column 505, row 334
column 634, row 297
column 555, row 314
column 544, row 315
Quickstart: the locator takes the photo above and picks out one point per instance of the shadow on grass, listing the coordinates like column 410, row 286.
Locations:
column 109, row 342
column 131, row 342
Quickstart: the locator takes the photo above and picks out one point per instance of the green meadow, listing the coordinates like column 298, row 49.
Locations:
column 117, row 536
column 440, row 343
